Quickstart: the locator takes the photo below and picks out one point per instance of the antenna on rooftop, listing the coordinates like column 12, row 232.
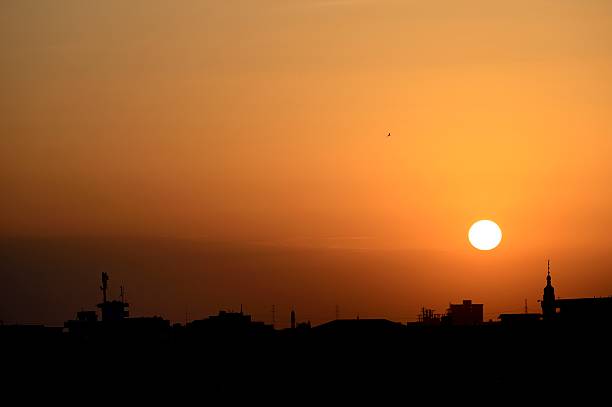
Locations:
column 104, row 285
column 292, row 318
column 526, row 310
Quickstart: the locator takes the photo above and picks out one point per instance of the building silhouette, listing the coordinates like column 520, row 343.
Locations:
column 466, row 313
column 115, row 321
column 228, row 323
column 112, row 322
column 521, row 319
column 548, row 299
column 301, row 326
column 359, row 327
column 594, row 311
column 429, row 317
column 112, row 310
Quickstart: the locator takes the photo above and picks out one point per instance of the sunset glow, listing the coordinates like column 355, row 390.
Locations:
column 303, row 153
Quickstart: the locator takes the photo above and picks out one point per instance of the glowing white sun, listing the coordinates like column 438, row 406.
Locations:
column 485, row 235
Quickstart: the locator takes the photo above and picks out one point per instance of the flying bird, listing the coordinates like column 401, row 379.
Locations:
column 389, row 135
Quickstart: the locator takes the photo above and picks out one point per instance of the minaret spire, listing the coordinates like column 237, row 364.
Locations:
column 548, row 278
column 548, row 300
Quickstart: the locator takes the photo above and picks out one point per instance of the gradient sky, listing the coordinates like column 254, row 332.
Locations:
column 244, row 143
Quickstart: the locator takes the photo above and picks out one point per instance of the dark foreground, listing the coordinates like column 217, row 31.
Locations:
column 345, row 362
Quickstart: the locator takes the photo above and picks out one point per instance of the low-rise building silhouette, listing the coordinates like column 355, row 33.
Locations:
column 228, row 323
column 112, row 310
column 359, row 327
column 466, row 313
column 522, row 319
column 115, row 321
column 300, row 326
column 595, row 311
column 429, row 317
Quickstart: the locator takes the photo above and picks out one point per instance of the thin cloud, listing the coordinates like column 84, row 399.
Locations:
column 331, row 3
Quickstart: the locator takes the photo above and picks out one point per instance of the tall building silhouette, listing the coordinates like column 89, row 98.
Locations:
column 548, row 300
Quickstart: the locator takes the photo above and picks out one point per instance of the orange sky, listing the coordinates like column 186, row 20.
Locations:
column 263, row 123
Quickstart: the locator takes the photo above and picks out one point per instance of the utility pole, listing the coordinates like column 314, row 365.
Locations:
column 273, row 314
column 104, row 286
column 292, row 318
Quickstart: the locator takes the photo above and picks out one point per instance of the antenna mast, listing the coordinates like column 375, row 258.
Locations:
column 104, row 285
column 292, row 318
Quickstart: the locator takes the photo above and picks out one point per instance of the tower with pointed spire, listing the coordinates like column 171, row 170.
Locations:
column 548, row 300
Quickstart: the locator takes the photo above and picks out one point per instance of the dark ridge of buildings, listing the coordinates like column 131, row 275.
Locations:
column 229, row 351
column 359, row 326
column 430, row 318
column 593, row 311
column 295, row 326
column 585, row 310
column 520, row 319
column 301, row 326
column 29, row 333
column 596, row 310
column 228, row 323
column 466, row 313
column 113, row 322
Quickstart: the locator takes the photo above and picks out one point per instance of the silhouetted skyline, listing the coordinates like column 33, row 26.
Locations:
column 368, row 189
column 47, row 279
column 114, row 314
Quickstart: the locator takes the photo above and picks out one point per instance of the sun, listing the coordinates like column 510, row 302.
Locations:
column 485, row 235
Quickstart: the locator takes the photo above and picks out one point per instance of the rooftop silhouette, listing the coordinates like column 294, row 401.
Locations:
column 114, row 321
column 491, row 352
